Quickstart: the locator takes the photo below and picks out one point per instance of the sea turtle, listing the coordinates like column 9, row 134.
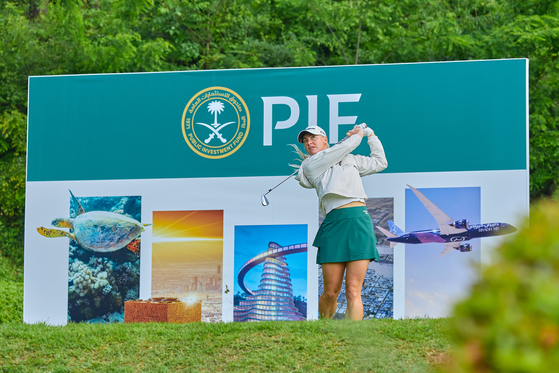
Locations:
column 99, row 231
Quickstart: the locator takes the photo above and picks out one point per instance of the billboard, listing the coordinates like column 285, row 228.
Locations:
column 177, row 161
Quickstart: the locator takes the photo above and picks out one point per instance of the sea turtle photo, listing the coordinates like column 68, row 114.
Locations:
column 99, row 231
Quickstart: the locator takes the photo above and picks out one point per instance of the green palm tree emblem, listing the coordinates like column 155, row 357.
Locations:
column 215, row 107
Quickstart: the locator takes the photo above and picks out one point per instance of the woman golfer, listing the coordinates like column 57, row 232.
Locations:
column 346, row 240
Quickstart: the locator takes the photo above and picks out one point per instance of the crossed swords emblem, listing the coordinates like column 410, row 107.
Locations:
column 215, row 131
column 215, row 107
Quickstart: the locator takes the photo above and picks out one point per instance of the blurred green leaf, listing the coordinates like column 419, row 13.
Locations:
column 510, row 321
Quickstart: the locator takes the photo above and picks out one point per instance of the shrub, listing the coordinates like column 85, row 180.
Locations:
column 11, row 291
column 10, row 271
column 12, row 184
column 11, row 301
column 510, row 322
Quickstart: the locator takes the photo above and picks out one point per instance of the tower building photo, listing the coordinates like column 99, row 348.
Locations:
column 270, row 278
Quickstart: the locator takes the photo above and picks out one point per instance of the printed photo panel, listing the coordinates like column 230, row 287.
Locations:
column 104, row 256
column 270, row 273
column 436, row 279
column 187, row 259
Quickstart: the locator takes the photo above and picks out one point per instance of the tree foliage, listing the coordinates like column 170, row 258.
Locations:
column 510, row 322
column 42, row 37
column 12, row 183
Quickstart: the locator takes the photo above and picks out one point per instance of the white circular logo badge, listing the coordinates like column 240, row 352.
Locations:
column 215, row 122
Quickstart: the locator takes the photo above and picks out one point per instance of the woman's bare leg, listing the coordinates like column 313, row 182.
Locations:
column 355, row 274
column 333, row 275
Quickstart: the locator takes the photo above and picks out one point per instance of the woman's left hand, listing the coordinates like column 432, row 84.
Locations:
column 355, row 131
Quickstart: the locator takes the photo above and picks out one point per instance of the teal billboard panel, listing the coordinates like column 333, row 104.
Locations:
column 430, row 117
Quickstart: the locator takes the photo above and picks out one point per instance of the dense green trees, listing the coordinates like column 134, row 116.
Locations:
column 97, row 36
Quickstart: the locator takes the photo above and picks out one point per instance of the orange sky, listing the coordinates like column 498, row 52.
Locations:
column 187, row 236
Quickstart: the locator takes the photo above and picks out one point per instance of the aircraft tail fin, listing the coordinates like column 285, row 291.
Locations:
column 395, row 229
column 388, row 234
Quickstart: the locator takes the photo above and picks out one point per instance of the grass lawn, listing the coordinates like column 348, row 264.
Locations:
column 320, row 346
column 418, row 345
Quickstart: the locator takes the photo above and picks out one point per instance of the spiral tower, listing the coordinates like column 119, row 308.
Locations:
column 274, row 298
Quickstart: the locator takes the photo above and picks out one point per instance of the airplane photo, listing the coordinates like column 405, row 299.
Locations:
column 453, row 233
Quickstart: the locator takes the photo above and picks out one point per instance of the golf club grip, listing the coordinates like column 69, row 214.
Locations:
column 362, row 125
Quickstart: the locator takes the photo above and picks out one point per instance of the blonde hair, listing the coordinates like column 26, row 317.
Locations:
column 302, row 156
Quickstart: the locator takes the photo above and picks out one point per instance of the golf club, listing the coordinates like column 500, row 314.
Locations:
column 263, row 198
column 265, row 201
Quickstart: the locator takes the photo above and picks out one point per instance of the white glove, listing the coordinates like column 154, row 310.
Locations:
column 366, row 130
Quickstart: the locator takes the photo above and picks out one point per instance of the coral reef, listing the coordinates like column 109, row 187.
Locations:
column 131, row 295
column 99, row 283
column 91, row 277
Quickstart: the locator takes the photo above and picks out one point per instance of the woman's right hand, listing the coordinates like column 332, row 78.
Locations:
column 366, row 130
column 355, row 131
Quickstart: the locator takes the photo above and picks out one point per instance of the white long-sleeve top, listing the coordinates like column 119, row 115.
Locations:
column 336, row 174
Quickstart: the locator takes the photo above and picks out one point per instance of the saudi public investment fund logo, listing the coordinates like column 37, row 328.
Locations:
column 215, row 122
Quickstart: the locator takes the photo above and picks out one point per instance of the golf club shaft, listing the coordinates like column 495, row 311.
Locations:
column 287, row 178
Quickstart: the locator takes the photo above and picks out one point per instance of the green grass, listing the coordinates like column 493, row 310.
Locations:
column 409, row 345
column 319, row 346
column 417, row 345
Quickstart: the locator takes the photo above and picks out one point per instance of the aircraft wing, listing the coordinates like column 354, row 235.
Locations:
column 448, row 247
column 442, row 219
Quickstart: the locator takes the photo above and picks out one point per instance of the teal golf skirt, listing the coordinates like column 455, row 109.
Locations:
column 346, row 234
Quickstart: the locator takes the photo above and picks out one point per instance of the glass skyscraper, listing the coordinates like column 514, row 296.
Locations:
column 274, row 298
